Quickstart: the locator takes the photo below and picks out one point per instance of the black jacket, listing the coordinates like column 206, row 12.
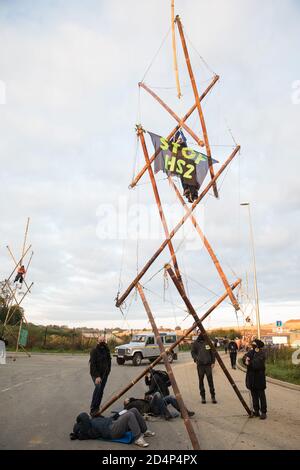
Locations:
column 232, row 347
column 256, row 370
column 100, row 361
column 143, row 406
column 202, row 353
column 87, row 428
column 159, row 382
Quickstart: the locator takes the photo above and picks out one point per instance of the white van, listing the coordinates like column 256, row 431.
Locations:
column 144, row 346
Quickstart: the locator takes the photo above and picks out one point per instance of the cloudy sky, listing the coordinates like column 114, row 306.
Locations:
column 69, row 105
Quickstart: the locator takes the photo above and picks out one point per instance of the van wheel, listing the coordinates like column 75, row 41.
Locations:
column 137, row 359
column 120, row 361
column 170, row 358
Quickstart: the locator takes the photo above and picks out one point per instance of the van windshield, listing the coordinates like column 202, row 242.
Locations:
column 138, row 339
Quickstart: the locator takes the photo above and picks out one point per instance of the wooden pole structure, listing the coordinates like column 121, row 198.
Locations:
column 196, row 95
column 18, row 303
column 19, row 334
column 16, row 264
column 173, row 132
column 25, row 239
column 175, row 64
column 28, row 264
column 174, row 115
column 121, row 299
column 208, row 247
column 167, row 351
column 207, row 339
column 140, row 133
column 10, row 276
column 22, row 318
column 178, row 396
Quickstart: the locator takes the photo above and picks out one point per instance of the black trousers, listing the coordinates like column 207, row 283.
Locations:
column 19, row 277
column 233, row 359
column 202, row 371
column 98, row 393
column 259, row 401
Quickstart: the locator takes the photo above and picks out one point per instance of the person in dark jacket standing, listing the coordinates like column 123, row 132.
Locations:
column 205, row 360
column 100, row 366
column 256, row 377
column 225, row 343
column 233, row 349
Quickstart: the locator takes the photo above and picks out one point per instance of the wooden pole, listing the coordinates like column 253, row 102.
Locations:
column 207, row 339
column 173, row 132
column 18, row 303
column 167, row 351
column 198, row 103
column 19, row 334
column 121, row 299
column 14, row 260
column 25, row 253
column 175, row 64
column 207, row 246
column 25, row 239
column 140, row 133
column 174, row 115
column 178, row 396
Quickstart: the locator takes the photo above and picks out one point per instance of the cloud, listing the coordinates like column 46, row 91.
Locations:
column 67, row 148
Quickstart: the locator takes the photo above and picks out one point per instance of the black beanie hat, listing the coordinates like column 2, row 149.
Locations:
column 260, row 344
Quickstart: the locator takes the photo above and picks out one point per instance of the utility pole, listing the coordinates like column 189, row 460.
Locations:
column 254, row 270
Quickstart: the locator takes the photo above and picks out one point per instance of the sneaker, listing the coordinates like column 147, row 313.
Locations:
column 213, row 400
column 263, row 416
column 191, row 413
column 203, row 400
column 255, row 414
column 149, row 433
column 141, row 442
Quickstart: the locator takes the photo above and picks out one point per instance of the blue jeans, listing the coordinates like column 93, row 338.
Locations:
column 98, row 393
column 159, row 404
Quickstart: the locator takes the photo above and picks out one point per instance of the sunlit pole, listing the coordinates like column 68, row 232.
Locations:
column 254, row 270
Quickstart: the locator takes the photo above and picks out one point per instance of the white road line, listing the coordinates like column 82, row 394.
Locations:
column 26, row 382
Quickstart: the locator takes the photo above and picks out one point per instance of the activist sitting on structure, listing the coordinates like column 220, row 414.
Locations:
column 20, row 274
column 175, row 158
column 112, row 428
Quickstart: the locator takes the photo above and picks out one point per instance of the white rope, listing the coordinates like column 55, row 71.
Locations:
column 156, row 54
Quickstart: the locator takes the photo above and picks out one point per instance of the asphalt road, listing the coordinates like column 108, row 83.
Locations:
column 41, row 396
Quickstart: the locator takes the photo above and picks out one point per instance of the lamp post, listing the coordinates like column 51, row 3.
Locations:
column 254, row 270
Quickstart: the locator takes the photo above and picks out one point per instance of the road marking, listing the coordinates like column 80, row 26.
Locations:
column 26, row 382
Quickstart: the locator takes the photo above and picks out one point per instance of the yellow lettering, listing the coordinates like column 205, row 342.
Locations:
column 186, row 154
column 199, row 158
column 170, row 163
column 187, row 174
column 164, row 143
column 179, row 168
column 175, row 147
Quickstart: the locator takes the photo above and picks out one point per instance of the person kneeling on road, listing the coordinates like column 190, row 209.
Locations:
column 113, row 427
